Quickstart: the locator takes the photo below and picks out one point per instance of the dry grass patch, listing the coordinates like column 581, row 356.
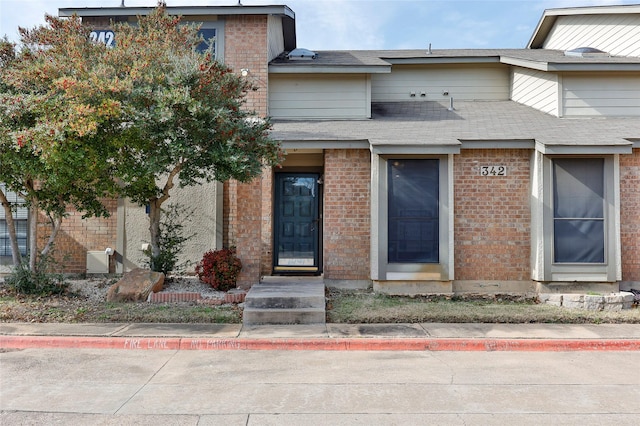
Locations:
column 367, row 307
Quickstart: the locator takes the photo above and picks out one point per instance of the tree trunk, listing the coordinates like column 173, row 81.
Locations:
column 11, row 228
column 33, row 240
column 155, row 213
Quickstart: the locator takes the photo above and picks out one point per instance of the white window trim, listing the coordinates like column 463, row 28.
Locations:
column 381, row 270
column 543, row 267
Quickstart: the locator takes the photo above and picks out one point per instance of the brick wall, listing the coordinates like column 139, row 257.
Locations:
column 245, row 46
column 245, row 41
column 267, row 222
column 347, row 195
column 77, row 236
column 492, row 216
column 630, row 215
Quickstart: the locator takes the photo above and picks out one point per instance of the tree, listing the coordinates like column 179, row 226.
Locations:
column 46, row 154
column 184, row 115
column 150, row 113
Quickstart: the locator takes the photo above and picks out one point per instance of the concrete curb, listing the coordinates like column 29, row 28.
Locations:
column 319, row 344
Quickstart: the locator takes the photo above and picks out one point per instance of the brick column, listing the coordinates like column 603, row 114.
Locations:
column 245, row 42
column 347, row 214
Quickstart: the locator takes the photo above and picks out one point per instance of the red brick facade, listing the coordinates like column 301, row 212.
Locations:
column 77, row 236
column 245, row 40
column 630, row 215
column 245, row 47
column 492, row 216
column 347, row 213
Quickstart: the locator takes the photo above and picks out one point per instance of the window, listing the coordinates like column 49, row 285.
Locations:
column 575, row 218
column 20, row 215
column 413, row 211
column 209, row 35
column 578, row 210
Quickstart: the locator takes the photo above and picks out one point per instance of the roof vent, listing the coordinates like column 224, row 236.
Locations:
column 585, row 52
column 302, row 55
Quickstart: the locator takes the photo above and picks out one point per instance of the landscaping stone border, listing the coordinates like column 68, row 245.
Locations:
column 592, row 302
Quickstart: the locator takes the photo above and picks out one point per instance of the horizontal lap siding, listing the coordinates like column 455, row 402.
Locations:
column 536, row 89
column 275, row 36
column 315, row 96
column 492, row 216
column 611, row 95
column 477, row 82
column 618, row 35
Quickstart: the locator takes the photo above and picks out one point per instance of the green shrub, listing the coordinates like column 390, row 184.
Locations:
column 171, row 241
column 219, row 269
column 40, row 282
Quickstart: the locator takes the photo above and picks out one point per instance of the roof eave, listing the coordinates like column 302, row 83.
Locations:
column 570, row 66
column 178, row 10
column 550, row 16
column 329, row 69
column 443, row 60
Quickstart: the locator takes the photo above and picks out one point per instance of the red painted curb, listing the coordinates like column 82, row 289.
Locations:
column 320, row 344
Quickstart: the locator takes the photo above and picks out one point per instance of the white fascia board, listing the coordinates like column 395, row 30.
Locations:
column 498, row 144
column 601, row 67
column 525, row 63
column 325, row 144
column 328, row 69
column 553, row 149
column 570, row 66
column 184, row 11
column 443, row 60
column 394, row 149
column 635, row 142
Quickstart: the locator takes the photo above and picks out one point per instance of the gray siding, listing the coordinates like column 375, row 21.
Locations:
column 309, row 96
column 474, row 82
column 617, row 34
column 536, row 89
column 275, row 37
column 611, row 95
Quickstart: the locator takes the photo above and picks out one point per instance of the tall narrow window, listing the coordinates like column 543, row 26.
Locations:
column 209, row 36
column 20, row 214
column 578, row 210
column 413, row 234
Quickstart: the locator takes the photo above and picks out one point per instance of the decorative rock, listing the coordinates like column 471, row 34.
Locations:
column 136, row 285
column 551, row 299
column 573, row 300
column 593, row 302
column 618, row 301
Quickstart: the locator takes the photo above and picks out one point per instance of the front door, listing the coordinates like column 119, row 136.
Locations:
column 296, row 223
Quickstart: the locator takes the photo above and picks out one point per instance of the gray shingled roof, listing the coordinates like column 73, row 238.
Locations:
column 354, row 58
column 431, row 123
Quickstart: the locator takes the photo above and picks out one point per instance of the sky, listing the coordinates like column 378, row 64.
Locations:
column 359, row 24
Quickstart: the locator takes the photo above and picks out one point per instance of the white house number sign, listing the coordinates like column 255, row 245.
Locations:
column 493, row 170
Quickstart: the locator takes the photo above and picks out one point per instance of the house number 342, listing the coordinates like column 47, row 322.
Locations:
column 493, row 170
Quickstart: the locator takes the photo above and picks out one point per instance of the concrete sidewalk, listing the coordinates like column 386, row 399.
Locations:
column 426, row 336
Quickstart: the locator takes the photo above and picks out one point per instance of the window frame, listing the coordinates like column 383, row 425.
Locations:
column 544, row 266
column 20, row 215
column 381, row 268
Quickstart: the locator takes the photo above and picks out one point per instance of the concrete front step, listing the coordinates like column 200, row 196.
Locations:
column 285, row 300
column 256, row 316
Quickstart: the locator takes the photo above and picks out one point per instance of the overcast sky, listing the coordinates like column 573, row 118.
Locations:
column 360, row 24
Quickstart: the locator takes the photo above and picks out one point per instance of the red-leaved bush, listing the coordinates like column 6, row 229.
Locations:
column 219, row 269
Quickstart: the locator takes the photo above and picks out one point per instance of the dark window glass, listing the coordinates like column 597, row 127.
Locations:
column 209, row 36
column 578, row 210
column 413, row 211
column 20, row 213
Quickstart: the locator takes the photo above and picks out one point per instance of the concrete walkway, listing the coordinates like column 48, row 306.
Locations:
column 343, row 337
